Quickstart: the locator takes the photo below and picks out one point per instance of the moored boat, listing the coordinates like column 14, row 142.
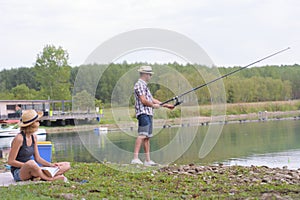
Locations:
column 8, row 132
column 13, row 130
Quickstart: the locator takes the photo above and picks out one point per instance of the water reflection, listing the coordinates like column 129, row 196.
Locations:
column 246, row 141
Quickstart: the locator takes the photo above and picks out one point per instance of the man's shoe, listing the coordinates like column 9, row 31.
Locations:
column 150, row 163
column 136, row 161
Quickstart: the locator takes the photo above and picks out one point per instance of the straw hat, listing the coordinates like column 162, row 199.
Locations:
column 29, row 117
column 145, row 70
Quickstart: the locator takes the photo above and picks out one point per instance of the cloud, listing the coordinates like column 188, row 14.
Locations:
column 233, row 32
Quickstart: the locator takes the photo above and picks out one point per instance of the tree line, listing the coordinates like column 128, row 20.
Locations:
column 53, row 78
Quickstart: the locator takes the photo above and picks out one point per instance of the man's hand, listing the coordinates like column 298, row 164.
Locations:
column 170, row 106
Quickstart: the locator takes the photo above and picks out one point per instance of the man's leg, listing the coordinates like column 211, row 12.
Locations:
column 147, row 140
column 138, row 143
column 147, row 148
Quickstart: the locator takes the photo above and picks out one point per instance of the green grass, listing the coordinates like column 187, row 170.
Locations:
column 127, row 114
column 98, row 181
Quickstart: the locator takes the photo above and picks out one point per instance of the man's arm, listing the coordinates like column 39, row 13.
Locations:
column 152, row 104
column 156, row 101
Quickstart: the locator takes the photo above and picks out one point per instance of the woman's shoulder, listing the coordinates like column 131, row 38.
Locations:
column 18, row 139
column 19, row 136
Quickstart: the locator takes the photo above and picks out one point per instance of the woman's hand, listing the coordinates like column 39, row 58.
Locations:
column 55, row 165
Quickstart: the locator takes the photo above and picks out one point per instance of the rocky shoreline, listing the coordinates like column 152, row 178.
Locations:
column 234, row 180
column 239, row 174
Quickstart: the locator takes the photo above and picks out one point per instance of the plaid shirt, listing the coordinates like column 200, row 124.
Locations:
column 141, row 88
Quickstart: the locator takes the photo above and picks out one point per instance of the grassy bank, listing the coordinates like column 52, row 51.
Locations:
column 98, row 181
column 111, row 115
column 124, row 117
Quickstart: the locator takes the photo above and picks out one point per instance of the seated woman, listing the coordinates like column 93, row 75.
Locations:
column 24, row 146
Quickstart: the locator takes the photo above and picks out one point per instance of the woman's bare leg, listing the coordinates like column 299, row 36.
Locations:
column 63, row 167
column 31, row 169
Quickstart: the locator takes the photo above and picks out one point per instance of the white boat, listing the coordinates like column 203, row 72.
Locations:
column 5, row 128
column 12, row 131
column 7, row 134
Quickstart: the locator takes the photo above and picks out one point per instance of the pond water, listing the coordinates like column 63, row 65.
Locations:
column 272, row 143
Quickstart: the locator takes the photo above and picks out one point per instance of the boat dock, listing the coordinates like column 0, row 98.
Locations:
column 56, row 112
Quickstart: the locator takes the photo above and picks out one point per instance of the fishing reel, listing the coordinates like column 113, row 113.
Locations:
column 177, row 101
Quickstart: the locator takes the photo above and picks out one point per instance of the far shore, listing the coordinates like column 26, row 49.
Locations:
column 181, row 122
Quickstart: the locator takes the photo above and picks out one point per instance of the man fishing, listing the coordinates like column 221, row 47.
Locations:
column 144, row 105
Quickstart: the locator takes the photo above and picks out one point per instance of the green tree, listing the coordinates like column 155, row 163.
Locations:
column 83, row 101
column 13, row 77
column 6, row 95
column 98, row 103
column 230, row 94
column 21, row 92
column 53, row 73
column 52, row 77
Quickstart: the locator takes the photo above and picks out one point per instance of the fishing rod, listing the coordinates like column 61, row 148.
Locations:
column 176, row 98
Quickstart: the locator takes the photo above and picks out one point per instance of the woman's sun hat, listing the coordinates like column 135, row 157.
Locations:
column 29, row 117
column 145, row 70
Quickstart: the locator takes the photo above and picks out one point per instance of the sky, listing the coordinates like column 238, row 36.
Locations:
column 232, row 32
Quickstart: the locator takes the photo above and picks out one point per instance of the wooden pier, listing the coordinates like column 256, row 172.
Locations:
column 56, row 112
column 69, row 119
